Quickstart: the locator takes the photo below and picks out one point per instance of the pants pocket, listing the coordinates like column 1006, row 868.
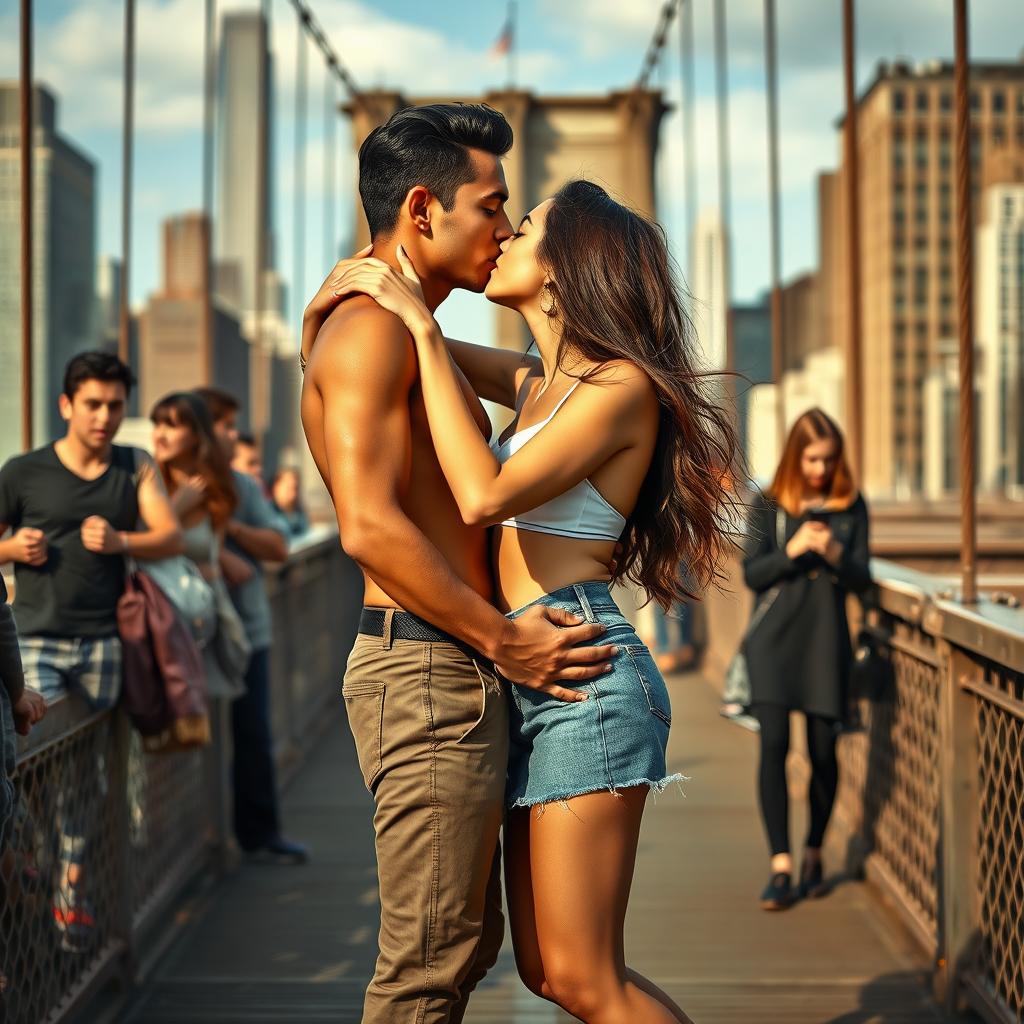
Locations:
column 458, row 694
column 652, row 683
column 364, row 703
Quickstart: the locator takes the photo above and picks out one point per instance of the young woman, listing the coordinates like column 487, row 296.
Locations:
column 809, row 549
column 202, row 490
column 616, row 439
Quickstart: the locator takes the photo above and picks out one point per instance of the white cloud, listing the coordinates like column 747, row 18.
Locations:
column 81, row 58
column 809, row 31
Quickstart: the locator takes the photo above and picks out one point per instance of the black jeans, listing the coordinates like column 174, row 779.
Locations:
column 256, row 815
column 821, row 750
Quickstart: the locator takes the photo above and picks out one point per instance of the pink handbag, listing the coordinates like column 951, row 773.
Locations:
column 164, row 686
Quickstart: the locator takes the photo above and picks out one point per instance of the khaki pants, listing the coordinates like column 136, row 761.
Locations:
column 431, row 731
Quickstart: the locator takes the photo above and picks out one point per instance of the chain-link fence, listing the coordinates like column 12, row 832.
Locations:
column 105, row 837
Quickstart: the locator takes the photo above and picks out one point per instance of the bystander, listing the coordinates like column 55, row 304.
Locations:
column 75, row 507
column 255, row 534
column 284, row 492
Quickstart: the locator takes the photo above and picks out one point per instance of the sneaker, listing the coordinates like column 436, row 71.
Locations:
column 735, row 714
column 778, row 893
column 74, row 919
column 278, row 851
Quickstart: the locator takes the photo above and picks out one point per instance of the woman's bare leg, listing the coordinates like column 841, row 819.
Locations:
column 568, row 906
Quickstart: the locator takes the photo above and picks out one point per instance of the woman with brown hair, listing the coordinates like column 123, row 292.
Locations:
column 808, row 550
column 617, row 438
column 199, row 480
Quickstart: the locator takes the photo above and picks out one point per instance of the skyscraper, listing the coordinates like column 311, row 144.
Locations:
column 171, row 352
column 64, row 264
column 908, row 273
column 244, row 196
column 710, row 287
column 999, row 307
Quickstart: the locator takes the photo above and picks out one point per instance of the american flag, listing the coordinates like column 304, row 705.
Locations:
column 503, row 44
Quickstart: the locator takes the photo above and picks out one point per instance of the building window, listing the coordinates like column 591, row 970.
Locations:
column 945, row 101
column 975, row 100
column 898, row 101
column 921, row 101
column 1020, row 101
column 998, row 101
column 999, row 136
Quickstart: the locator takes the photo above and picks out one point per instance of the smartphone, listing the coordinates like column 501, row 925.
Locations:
column 818, row 515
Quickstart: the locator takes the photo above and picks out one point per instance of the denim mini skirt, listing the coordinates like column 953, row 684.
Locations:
column 614, row 740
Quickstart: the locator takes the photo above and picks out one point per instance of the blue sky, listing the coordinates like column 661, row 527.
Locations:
column 572, row 46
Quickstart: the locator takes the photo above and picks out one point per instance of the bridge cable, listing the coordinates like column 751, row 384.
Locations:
column 651, row 59
column 316, row 32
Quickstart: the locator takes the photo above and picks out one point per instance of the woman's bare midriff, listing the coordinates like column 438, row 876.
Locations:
column 528, row 565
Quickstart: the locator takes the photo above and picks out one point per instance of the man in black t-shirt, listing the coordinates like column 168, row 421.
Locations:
column 74, row 508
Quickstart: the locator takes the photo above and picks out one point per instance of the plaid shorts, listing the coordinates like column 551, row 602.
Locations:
column 55, row 665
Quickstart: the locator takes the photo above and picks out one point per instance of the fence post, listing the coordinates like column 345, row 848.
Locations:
column 958, row 826
column 215, row 768
column 124, row 869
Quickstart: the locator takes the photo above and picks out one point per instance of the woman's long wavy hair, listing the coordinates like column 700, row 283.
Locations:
column 182, row 408
column 616, row 297
column 788, row 486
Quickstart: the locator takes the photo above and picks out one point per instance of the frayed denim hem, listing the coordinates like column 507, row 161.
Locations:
column 656, row 787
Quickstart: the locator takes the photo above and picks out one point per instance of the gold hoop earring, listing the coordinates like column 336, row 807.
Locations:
column 551, row 309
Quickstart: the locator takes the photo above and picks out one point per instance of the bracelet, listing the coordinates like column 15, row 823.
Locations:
column 124, row 541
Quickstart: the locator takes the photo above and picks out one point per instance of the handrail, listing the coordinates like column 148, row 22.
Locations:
column 986, row 628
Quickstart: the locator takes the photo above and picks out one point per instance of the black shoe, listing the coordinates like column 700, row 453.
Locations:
column 778, row 893
column 812, row 881
column 278, row 851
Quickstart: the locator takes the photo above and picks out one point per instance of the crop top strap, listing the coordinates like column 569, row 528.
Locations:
column 559, row 404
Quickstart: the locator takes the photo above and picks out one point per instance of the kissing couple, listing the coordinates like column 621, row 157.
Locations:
column 494, row 681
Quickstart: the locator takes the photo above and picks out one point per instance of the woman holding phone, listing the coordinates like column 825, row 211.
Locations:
column 808, row 549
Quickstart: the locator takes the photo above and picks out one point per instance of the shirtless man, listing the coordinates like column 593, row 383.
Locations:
column 426, row 706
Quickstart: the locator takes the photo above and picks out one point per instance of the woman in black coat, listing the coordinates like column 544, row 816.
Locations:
column 799, row 653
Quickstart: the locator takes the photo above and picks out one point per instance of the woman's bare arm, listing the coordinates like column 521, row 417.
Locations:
column 495, row 374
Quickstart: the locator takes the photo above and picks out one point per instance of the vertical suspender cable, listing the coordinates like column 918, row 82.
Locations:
column 299, row 210
column 724, row 199
column 258, row 384
column 778, row 326
column 127, row 141
column 965, row 310
column 689, row 130
column 330, row 147
column 854, row 366
column 26, row 143
column 209, row 69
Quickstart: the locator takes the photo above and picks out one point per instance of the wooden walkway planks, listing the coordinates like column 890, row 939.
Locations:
column 297, row 944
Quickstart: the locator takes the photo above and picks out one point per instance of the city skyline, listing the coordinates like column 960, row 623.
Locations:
column 558, row 52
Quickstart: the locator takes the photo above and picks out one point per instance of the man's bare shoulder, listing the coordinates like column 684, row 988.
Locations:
column 360, row 341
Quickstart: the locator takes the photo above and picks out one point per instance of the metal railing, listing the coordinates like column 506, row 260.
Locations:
column 931, row 785
column 932, row 789
column 137, row 828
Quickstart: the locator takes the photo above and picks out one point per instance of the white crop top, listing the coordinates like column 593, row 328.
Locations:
column 580, row 512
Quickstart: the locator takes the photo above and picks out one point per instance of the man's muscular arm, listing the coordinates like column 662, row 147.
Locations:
column 364, row 367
